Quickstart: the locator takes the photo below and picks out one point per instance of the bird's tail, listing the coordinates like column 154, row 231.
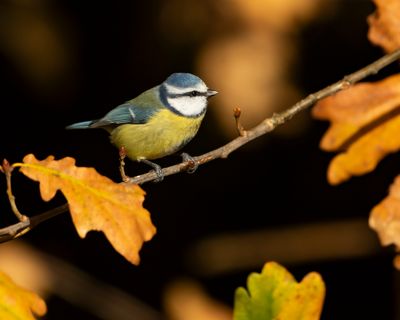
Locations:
column 80, row 125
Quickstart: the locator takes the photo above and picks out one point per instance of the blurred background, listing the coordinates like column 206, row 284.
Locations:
column 68, row 61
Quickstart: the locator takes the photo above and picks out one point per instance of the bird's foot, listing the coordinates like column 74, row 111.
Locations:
column 157, row 169
column 192, row 163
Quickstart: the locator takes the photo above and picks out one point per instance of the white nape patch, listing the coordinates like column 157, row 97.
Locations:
column 201, row 87
column 189, row 106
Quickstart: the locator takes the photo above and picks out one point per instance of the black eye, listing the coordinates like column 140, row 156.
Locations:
column 194, row 93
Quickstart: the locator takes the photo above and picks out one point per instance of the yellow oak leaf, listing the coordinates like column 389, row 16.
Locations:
column 95, row 202
column 385, row 218
column 275, row 294
column 17, row 303
column 365, row 126
column 385, row 25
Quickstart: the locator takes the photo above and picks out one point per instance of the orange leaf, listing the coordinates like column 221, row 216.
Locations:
column 385, row 25
column 18, row 303
column 385, row 218
column 365, row 125
column 96, row 202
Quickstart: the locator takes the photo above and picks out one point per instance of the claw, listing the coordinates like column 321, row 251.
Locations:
column 192, row 163
column 157, row 169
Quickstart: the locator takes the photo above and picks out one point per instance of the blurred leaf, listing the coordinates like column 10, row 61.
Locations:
column 385, row 25
column 186, row 299
column 385, row 218
column 96, row 202
column 27, row 267
column 365, row 126
column 18, row 303
column 265, row 31
column 280, row 15
column 275, row 294
column 38, row 39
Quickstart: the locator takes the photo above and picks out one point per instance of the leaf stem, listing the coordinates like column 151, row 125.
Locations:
column 7, row 169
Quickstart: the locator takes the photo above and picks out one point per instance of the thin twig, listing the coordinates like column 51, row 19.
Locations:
column 20, row 228
column 11, row 232
column 269, row 124
column 7, row 169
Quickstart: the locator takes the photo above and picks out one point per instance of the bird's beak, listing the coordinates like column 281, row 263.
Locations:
column 211, row 93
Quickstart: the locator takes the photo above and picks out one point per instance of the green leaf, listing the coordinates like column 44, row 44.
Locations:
column 275, row 294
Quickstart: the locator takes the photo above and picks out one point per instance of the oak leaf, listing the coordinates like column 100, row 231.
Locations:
column 365, row 126
column 17, row 303
column 275, row 294
column 385, row 218
column 95, row 202
column 385, row 25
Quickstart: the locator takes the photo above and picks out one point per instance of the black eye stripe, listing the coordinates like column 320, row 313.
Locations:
column 187, row 94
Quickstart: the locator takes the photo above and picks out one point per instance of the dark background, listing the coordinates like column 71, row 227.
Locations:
column 273, row 182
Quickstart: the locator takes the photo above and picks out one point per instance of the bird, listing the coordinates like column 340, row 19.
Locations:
column 156, row 123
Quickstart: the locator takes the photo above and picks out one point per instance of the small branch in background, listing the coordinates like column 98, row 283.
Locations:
column 269, row 124
column 304, row 243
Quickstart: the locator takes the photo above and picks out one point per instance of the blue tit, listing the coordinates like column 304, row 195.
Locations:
column 158, row 122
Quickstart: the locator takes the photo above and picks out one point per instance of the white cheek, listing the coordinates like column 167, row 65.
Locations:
column 189, row 106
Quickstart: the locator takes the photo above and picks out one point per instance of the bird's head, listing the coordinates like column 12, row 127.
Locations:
column 185, row 94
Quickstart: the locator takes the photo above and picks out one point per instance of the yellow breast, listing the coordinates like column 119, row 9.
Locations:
column 164, row 134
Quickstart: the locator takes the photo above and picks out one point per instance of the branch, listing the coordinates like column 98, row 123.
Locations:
column 7, row 169
column 16, row 230
column 245, row 136
column 269, row 124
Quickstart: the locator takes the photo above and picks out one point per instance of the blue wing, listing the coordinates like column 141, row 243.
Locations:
column 125, row 113
column 135, row 111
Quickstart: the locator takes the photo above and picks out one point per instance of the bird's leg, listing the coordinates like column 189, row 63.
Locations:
column 192, row 164
column 122, row 155
column 157, row 169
